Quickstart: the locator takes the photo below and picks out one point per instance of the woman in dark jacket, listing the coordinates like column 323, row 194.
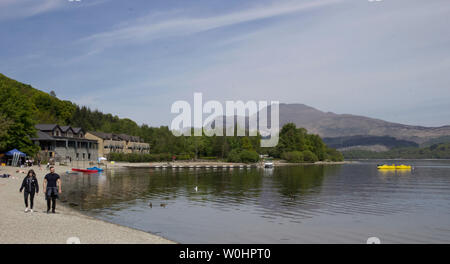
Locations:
column 31, row 186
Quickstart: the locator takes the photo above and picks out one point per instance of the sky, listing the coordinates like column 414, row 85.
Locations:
column 388, row 59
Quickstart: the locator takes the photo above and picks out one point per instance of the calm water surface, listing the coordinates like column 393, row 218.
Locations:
column 296, row 204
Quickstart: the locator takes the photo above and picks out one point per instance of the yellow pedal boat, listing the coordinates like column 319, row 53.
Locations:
column 394, row 167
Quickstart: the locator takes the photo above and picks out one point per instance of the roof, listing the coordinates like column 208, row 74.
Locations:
column 45, row 127
column 65, row 128
column 51, row 127
column 77, row 129
column 101, row 135
column 124, row 137
column 43, row 136
column 15, row 151
column 113, row 136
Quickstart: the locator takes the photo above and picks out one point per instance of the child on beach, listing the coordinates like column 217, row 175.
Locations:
column 31, row 186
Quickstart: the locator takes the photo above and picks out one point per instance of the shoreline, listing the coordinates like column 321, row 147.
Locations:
column 214, row 164
column 34, row 228
column 39, row 227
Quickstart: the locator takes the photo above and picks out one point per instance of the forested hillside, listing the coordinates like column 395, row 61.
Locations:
column 23, row 106
column 437, row 151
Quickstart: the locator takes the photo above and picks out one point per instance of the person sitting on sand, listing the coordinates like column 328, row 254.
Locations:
column 31, row 186
column 52, row 186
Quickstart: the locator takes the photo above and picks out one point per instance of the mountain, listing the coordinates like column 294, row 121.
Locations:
column 376, row 143
column 346, row 131
column 21, row 102
column 331, row 125
column 436, row 151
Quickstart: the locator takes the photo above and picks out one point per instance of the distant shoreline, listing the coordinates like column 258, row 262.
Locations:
column 214, row 164
column 397, row 159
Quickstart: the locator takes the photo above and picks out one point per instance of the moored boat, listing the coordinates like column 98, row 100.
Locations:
column 394, row 167
column 85, row 171
column 268, row 164
column 95, row 168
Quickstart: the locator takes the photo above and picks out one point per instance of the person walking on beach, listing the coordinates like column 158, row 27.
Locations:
column 31, row 186
column 52, row 187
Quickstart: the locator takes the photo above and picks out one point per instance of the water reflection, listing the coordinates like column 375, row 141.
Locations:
column 237, row 186
column 284, row 204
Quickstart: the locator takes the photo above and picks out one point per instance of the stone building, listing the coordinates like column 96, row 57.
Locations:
column 65, row 143
column 122, row 143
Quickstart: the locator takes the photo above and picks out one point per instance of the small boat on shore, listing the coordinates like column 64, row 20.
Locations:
column 268, row 164
column 95, row 168
column 394, row 167
column 85, row 170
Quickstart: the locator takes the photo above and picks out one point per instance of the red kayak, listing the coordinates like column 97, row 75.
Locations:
column 85, row 171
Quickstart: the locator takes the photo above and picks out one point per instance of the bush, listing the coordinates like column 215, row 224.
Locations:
column 334, row 155
column 249, row 156
column 308, row 156
column 293, row 156
column 183, row 157
column 234, row 156
column 208, row 158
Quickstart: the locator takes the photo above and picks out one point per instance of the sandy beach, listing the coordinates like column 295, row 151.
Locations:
column 42, row 228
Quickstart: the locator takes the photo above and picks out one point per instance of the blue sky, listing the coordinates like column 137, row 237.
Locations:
column 387, row 60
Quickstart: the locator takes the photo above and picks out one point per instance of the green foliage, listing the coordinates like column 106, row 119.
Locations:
column 234, row 156
column 23, row 106
column 436, row 151
column 293, row 156
column 360, row 140
column 246, row 144
column 5, row 124
column 249, row 156
column 139, row 157
column 309, row 156
column 245, row 155
column 296, row 144
column 334, row 155
column 19, row 112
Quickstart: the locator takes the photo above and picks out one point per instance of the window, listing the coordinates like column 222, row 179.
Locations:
column 89, row 156
column 56, row 133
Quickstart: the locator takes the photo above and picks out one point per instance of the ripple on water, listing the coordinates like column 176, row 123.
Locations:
column 314, row 204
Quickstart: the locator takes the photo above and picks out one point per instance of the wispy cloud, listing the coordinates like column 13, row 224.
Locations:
column 153, row 27
column 26, row 8
column 334, row 55
column 17, row 9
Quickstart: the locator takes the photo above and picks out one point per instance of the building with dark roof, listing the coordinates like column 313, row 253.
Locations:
column 122, row 143
column 65, row 143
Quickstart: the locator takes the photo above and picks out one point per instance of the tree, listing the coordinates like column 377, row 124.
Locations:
column 248, row 156
column 297, row 145
column 5, row 123
column 234, row 156
column 246, row 143
column 20, row 112
column 308, row 156
column 293, row 156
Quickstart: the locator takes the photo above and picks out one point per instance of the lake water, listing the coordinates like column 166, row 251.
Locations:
column 294, row 204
